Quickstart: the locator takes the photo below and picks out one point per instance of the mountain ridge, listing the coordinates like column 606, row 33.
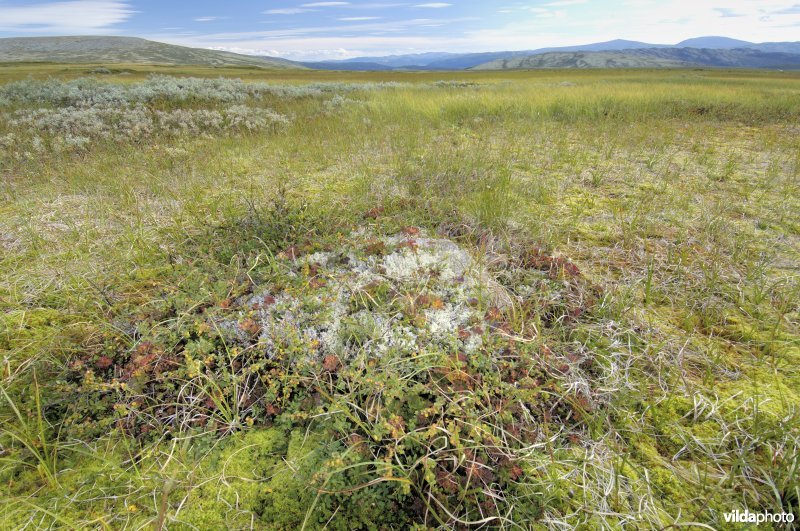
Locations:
column 707, row 51
column 450, row 61
column 102, row 49
column 651, row 58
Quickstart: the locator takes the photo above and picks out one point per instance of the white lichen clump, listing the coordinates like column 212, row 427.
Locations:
column 413, row 294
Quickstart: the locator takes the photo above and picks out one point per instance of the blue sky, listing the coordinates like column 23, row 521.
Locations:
column 307, row 29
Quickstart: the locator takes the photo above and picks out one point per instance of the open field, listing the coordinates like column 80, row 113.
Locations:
column 539, row 300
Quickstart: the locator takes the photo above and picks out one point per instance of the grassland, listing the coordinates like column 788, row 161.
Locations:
column 636, row 299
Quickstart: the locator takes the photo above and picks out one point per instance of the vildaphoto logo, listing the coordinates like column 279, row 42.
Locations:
column 747, row 517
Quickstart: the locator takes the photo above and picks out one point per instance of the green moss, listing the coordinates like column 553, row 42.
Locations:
column 669, row 486
column 237, row 482
column 291, row 490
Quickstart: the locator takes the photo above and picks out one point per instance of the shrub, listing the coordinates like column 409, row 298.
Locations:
column 76, row 125
column 158, row 88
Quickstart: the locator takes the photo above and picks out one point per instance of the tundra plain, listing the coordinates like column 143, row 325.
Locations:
column 237, row 298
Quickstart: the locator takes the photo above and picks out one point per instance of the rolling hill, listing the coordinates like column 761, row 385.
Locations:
column 650, row 58
column 580, row 60
column 716, row 43
column 123, row 50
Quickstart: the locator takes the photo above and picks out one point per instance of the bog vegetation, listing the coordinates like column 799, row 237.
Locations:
column 490, row 300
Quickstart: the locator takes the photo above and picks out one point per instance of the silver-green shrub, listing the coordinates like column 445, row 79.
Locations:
column 86, row 92
column 121, row 123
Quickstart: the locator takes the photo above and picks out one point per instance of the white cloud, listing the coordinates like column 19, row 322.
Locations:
column 562, row 3
column 76, row 16
column 287, row 11
column 434, row 5
column 550, row 23
column 326, row 4
column 792, row 10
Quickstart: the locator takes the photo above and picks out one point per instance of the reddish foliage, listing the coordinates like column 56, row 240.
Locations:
column 514, row 430
column 583, row 404
column 250, row 326
column 409, row 244
column 477, row 468
column 149, row 359
column 355, row 439
column 446, row 481
column 357, row 443
column 555, row 266
column 317, row 283
column 398, row 425
column 104, row 362
column 292, row 253
column 373, row 213
column 493, row 315
column 331, row 363
column 377, row 248
column 489, row 507
column 459, row 380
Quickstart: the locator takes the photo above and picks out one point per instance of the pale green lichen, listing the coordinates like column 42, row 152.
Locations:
column 414, row 292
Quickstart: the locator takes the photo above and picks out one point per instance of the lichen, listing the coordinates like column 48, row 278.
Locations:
column 375, row 295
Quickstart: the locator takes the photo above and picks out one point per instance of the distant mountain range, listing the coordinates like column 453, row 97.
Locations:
column 650, row 58
column 708, row 51
column 124, row 50
column 698, row 52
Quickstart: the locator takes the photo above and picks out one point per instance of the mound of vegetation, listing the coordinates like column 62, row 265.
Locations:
column 426, row 384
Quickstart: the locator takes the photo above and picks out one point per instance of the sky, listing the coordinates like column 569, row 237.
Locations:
column 316, row 30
